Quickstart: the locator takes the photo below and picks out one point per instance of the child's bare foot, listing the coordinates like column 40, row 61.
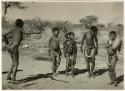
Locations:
column 55, row 74
column 8, row 78
column 93, row 75
column 89, row 75
column 110, row 83
column 66, row 73
column 73, row 76
column 115, row 84
column 14, row 82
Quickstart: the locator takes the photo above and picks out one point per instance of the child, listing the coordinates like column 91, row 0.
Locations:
column 55, row 51
column 17, row 37
column 112, row 55
column 90, row 49
column 70, row 52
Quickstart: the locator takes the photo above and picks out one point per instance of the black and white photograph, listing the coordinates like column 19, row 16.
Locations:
column 61, row 45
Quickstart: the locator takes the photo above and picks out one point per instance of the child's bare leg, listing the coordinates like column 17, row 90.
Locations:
column 11, row 67
column 53, row 64
column 92, row 67
column 88, row 67
column 16, row 62
column 67, row 64
column 58, row 59
column 92, row 64
column 72, row 66
column 113, row 72
column 110, row 74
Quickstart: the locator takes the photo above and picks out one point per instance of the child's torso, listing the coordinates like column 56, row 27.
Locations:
column 54, row 43
column 110, row 50
column 70, row 46
column 89, row 40
column 17, row 35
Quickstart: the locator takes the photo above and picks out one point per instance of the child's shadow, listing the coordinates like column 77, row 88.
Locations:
column 120, row 78
column 80, row 71
column 5, row 72
column 100, row 72
column 42, row 59
column 39, row 76
column 76, row 71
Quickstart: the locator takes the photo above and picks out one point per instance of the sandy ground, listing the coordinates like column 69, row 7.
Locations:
column 35, row 72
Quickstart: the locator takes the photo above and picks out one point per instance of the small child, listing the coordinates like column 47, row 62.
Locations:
column 112, row 47
column 70, row 52
column 54, row 50
column 17, row 37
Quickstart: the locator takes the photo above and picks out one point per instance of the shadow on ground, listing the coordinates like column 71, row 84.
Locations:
column 82, row 71
column 100, row 72
column 39, row 76
column 5, row 72
column 120, row 78
column 76, row 71
column 42, row 59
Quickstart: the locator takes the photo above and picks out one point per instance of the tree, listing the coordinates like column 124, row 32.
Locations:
column 100, row 25
column 7, row 5
column 89, row 20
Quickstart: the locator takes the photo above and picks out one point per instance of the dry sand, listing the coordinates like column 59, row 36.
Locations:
column 35, row 72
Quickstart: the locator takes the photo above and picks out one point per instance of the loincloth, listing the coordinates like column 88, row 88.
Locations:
column 111, row 59
column 89, row 52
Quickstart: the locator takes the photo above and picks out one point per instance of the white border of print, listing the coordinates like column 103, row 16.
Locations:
column 51, row 1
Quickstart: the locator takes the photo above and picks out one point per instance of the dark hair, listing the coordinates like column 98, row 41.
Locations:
column 55, row 29
column 113, row 32
column 94, row 28
column 19, row 23
column 72, row 33
column 69, row 33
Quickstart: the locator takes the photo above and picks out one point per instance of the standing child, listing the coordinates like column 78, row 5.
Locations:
column 90, row 49
column 112, row 47
column 17, row 37
column 54, row 50
column 70, row 52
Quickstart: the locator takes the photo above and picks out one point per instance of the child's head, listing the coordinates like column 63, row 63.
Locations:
column 55, row 31
column 94, row 29
column 72, row 35
column 19, row 23
column 68, row 35
column 112, row 35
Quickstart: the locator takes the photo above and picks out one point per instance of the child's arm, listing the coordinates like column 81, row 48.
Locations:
column 60, row 52
column 49, row 45
column 96, row 44
column 75, row 47
column 108, row 45
column 5, row 38
column 82, row 42
column 64, row 48
column 119, row 48
column 13, row 46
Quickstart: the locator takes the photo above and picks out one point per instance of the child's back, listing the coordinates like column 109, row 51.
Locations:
column 17, row 35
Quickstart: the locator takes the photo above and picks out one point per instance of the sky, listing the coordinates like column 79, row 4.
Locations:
column 71, row 11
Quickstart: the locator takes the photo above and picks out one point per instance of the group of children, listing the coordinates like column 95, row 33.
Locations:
column 89, row 47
